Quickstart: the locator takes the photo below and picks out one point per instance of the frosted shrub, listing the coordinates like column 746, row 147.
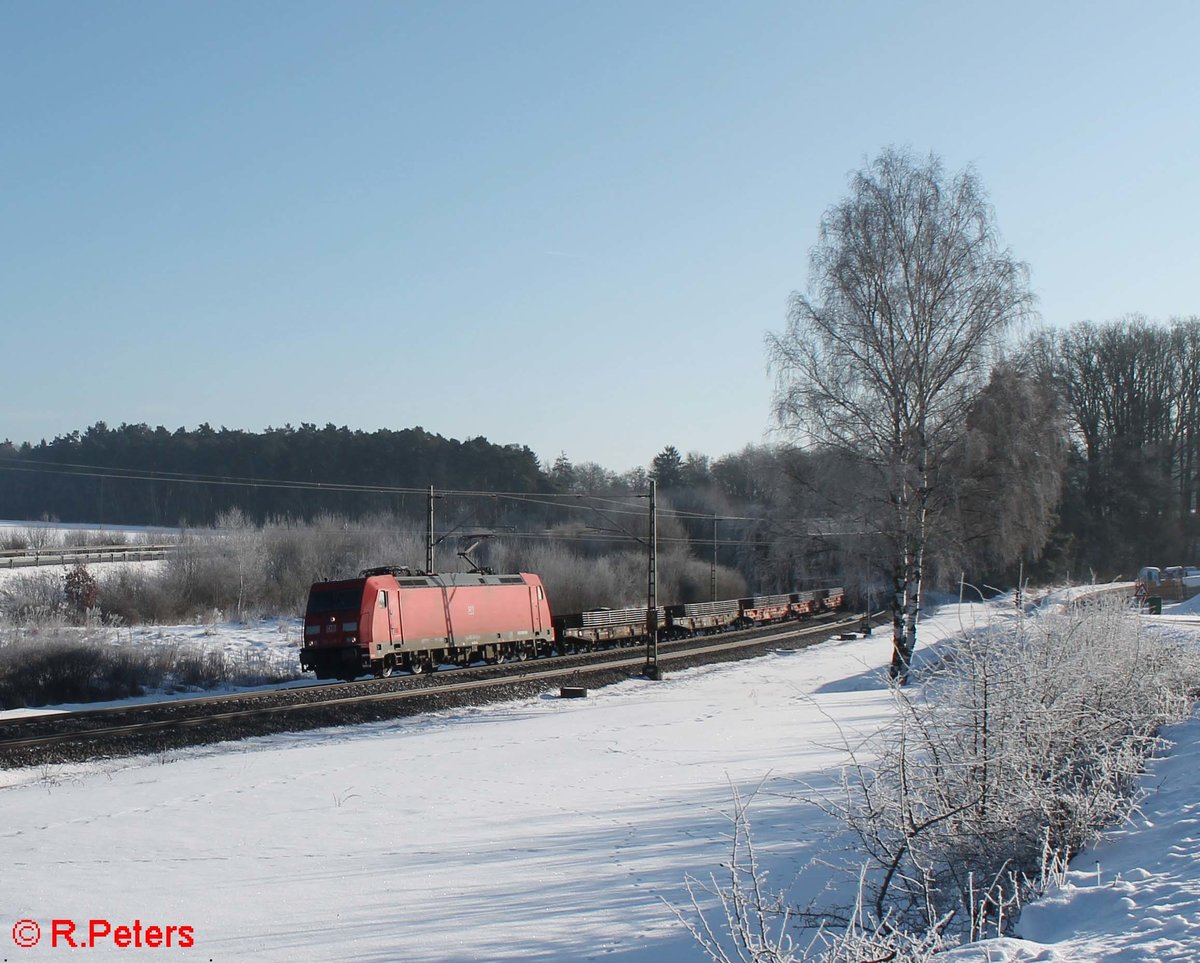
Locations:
column 13, row 540
column 754, row 923
column 32, row 597
column 130, row 597
column 83, row 538
column 574, row 582
column 617, row 579
column 1015, row 753
column 61, row 665
column 247, row 570
column 1018, row 751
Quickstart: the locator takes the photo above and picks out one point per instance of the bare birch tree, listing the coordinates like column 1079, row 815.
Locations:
column 910, row 292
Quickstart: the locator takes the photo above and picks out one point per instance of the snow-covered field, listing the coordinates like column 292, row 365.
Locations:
column 541, row 829
column 262, row 648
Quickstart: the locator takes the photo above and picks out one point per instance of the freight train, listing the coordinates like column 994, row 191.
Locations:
column 600, row 626
column 391, row 619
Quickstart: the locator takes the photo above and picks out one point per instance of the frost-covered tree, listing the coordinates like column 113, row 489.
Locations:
column 1007, row 470
column 910, row 291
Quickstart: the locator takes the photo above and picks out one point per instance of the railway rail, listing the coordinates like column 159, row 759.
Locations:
column 169, row 725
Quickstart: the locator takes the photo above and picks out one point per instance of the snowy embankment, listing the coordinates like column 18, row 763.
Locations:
column 540, row 829
column 1135, row 897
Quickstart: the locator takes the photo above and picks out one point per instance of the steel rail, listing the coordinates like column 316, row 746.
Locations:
column 448, row 687
column 425, row 683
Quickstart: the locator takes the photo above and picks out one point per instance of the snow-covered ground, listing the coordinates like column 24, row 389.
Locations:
column 261, row 648
column 1134, row 898
column 57, row 536
column 541, row 829
column 99, row 569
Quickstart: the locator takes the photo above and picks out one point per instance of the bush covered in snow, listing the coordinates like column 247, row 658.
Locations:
column 33, row 596
column 1018, row 748
column 246, row 570
column 58, row 664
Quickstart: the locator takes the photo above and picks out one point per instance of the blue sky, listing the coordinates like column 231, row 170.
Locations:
column 566, row 225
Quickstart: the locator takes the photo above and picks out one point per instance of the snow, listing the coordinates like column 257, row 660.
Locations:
column 1135, row 897
column 101, row 569
column 265, row 638
column 1187, row 607
column 1144, row 894
column 257, row 644
column 540, row 829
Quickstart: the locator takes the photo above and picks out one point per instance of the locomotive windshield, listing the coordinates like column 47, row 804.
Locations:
column 334, row 600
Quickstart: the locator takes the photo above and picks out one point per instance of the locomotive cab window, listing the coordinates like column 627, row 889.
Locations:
column 336, row 600
column 383, row 600
column 541, row 594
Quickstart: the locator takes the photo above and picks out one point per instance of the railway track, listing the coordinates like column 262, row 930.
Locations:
column 164, row 726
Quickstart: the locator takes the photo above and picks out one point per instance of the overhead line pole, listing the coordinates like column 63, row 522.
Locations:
column 429, row 535
column 651, row 670
column 712, row 578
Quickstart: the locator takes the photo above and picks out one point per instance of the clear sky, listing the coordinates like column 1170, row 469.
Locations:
column 560, row 224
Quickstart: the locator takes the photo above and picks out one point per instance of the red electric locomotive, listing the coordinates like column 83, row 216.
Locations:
column 389, row 619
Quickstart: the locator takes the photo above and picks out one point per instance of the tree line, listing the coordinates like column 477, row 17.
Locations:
column 1072, row 455
column 1078, row 457
column 715, row 511
column 1129, row 391
column 135, row 474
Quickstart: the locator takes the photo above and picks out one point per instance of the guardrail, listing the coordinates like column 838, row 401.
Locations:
column 83, row 555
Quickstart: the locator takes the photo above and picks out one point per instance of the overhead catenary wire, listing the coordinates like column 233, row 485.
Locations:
column 295, row 484
column 546, row 499
column 618, row 502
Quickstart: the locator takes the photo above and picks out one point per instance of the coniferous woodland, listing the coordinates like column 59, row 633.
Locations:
column 139, row 475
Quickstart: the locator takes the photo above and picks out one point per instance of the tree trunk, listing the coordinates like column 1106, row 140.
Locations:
column 916, row 551
column 901, row 649
column 900, row 654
